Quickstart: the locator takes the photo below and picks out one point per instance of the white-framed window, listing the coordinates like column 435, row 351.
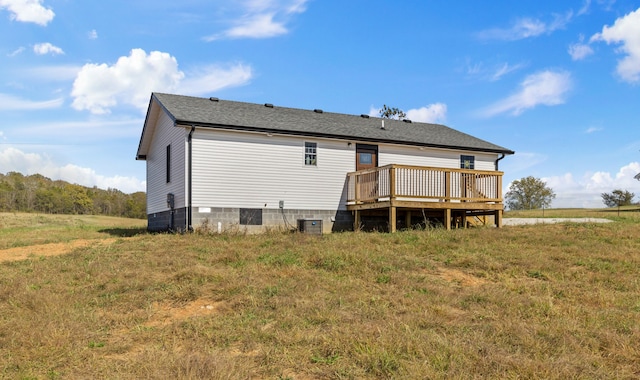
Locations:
column 467, row 162
column 310, row 153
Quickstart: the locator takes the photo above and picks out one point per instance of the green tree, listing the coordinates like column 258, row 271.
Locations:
column 529, row 193
column 392, row 113
column 41, row 194
column 137, row 205
column 617, row 197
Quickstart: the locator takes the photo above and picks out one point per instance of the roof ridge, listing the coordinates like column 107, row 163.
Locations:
column 192, row 110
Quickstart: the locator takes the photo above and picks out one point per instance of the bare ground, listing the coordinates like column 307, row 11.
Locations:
column 51, row 249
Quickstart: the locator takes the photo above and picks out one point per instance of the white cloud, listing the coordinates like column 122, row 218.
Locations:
column 57, row 73
column 12, row 103
column 12, row 159
column 258, row 26
column 492, row 72
column 625, row 31
column 433, row 113
column 545, row 88
column 16, row 52
column 132, row 79
column 46, row 48
column 98, row 87
column 262, row 19
column 527, row 28
column 592, row 130
column 580, row 50
column 28, row 11
column 585, row 8
column 92, row 34
column 523, row 28
column 505, row 69
column 586, row 191
column 206, row 80
column 474, row 68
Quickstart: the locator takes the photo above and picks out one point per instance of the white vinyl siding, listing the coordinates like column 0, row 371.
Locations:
column 238, row 169
column 439, row 158
column 253, row 170
column 157, row 187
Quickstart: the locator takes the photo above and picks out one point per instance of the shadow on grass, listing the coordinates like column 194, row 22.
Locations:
column 125, row 232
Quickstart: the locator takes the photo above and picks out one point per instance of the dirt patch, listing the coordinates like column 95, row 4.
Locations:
column 458, row 277
column 165, row 314
column 51, row 249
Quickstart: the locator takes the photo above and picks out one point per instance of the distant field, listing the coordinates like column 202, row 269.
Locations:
column 534, row 302
column 626, row 213
column 23, row 229
column 12, row 220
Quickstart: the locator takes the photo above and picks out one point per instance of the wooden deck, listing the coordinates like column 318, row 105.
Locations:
column 456, row 194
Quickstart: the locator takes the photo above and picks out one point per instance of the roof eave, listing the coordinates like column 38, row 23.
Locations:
column 338, row 137
column 153, row 101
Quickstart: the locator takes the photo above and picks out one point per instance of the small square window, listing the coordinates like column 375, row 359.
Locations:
column 251, row 216
column 366, row 158
column 311, row 154
column 467, row 162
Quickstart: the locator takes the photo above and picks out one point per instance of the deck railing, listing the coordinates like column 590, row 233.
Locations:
column 419, row 183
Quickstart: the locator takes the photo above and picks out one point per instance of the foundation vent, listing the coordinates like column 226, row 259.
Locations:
column 310, row 226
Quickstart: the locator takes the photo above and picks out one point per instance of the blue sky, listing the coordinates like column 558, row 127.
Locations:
column 557, row 82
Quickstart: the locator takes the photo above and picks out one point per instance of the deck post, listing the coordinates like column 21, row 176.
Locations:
column 356, row 220
column 447, row 186
column 392, row 195
column 392, row 182
column 407, row 219
column 464, row 219
column 447, row 218
column 498, row 218
column 392, row 218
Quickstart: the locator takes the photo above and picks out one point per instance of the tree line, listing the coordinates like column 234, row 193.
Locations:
column 36, row 193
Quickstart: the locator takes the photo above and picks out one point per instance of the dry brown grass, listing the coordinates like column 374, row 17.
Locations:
column 536, row 302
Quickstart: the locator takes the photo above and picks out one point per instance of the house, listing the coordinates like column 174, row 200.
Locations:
column 225, row 164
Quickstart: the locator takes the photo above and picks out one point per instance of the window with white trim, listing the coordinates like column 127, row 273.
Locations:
column 310, row 154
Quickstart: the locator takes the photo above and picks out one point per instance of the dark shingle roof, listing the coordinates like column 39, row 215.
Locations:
column 211, row 112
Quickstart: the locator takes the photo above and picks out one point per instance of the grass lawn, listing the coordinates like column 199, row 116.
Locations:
column 551, row 301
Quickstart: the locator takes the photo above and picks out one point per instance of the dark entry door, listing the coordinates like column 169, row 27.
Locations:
column 366, row 156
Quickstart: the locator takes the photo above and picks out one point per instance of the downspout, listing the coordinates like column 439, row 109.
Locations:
column 499, row 158
column 189, row 179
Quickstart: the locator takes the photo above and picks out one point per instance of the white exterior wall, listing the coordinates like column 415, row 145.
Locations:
column 157, row 186
column 439, row 158
column 253, row 170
